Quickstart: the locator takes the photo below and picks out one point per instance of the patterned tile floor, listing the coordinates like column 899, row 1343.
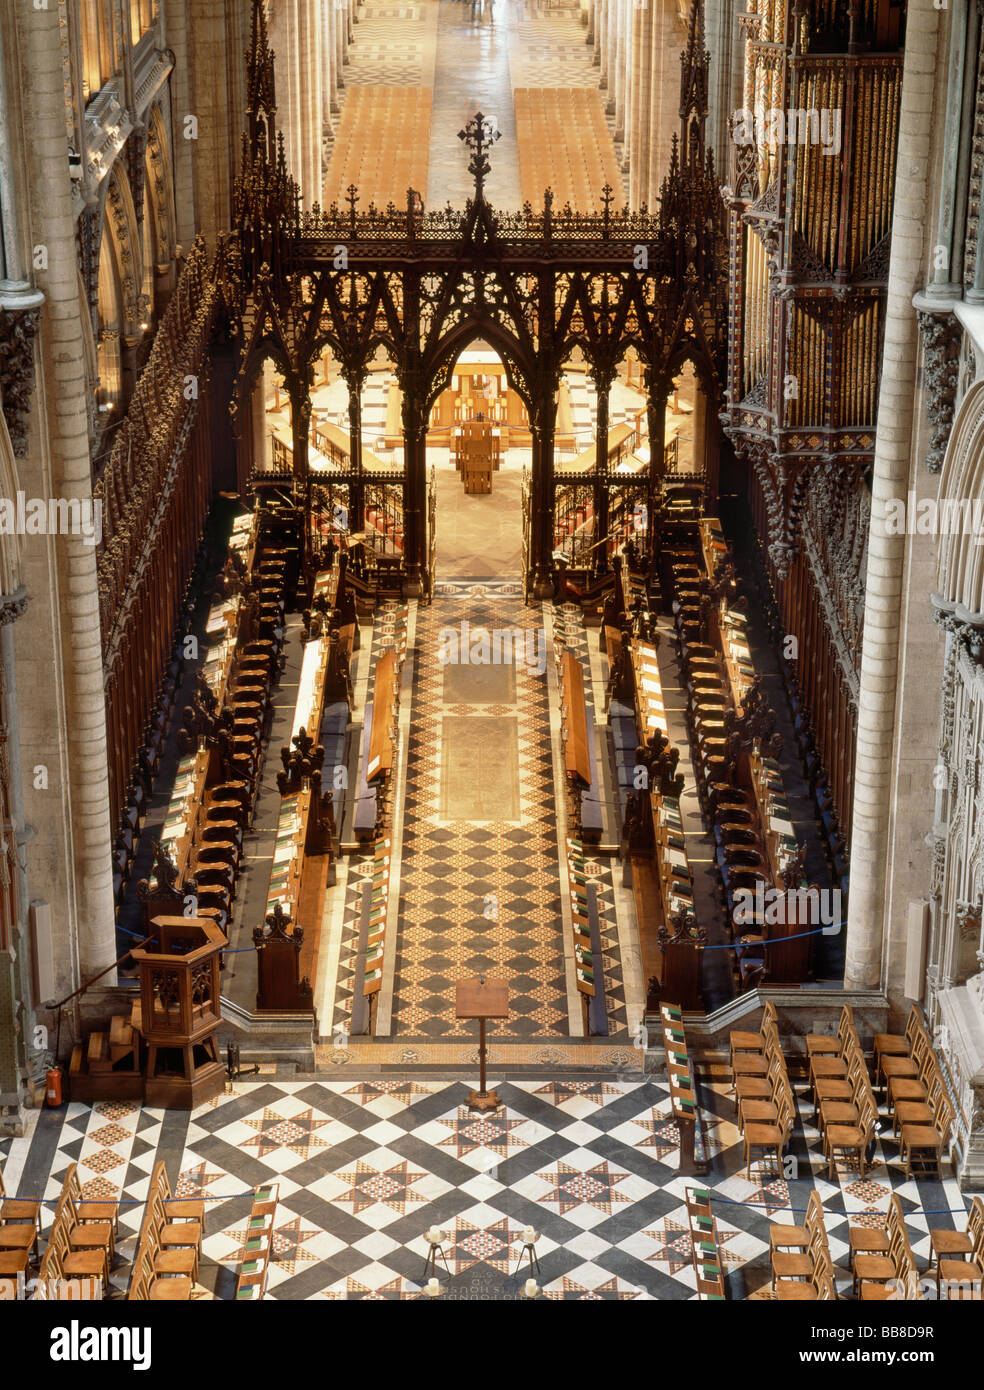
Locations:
column 366, row 1166
column 473, row 57
column 478, row 895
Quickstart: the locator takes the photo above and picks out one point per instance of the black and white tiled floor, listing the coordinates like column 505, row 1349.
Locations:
column 366, row 1166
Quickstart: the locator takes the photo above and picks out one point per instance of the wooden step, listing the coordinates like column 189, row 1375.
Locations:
column 75, row 1065
column 120, row 1038
column 136, row 1017
column 96, row 1054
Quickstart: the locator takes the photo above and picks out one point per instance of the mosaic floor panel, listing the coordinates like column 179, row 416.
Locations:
column 479, row 895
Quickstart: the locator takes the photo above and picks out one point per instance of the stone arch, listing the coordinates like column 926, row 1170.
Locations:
column 121, row 235
column 10, row 546
column 160, row 191
column 960, row 558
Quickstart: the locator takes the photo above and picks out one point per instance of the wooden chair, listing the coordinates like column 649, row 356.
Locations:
column 739, row 1041
column 838, row 1088
column 837, row 1043
column 922, row 1111
column 771, row 1138
column 922, row 1147
column 147, row 1285
column 819, row 1289
column 895, row 1065
column 852, row 1142
column 83, row 1251
column 896, row 1044
column 756, row 1083
column 784, row 1239
column 88, row 1212
column 16, row 1211
column 951, row 1248
column 901, row 1084
column 879, row 1276
column 842, row 1111
column 755, row 1110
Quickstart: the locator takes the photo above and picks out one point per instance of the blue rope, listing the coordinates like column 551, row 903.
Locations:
column 777, row 941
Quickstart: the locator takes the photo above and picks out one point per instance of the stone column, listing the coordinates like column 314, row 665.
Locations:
column 641, row 97
column 606, row 45
column 866, row 924
column 181, row 148
column 65, row 722
column 211, row 104
column 619, row 67
column 341, row 37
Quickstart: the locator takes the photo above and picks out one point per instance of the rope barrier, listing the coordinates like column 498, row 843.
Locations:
column 780, row 940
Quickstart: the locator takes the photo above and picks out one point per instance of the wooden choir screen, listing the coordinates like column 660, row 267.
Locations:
column 825, row 692
column 150, row 632
column 155, row 491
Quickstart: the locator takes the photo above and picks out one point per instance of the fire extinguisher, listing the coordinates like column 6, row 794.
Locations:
column 53, row 1076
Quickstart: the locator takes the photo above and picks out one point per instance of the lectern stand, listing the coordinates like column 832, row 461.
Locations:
column 481, row 999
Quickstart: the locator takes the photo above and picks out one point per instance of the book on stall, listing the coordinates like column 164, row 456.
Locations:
column 255, row 1245
column 680, row 1058
column 671, row 1011
column 260, row 1223
column 252, row 1267
column 701, row 1194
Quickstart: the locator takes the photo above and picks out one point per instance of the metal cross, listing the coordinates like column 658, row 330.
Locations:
column 480, row 134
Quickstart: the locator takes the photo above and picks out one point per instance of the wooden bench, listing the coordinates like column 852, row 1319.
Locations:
column 684, row 1093
column 258, row 1249
column 579, row 753
column 705, row 1247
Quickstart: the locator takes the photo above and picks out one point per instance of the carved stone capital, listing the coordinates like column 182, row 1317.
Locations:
column 13, row 605
column 942, row 335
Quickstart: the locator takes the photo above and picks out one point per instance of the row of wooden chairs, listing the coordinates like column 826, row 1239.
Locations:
column 166, row 1265
column 763, row 1094
column 802, row 1269
column 20, row 1232
column 880, row 1274
column 917, row 1097
column 959, row 1256
column 564, row 144
column 382, row 146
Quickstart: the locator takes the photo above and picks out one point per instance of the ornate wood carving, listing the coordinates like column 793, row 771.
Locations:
column 17, row 334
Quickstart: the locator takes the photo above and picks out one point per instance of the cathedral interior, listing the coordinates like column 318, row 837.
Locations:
column 492, row 650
